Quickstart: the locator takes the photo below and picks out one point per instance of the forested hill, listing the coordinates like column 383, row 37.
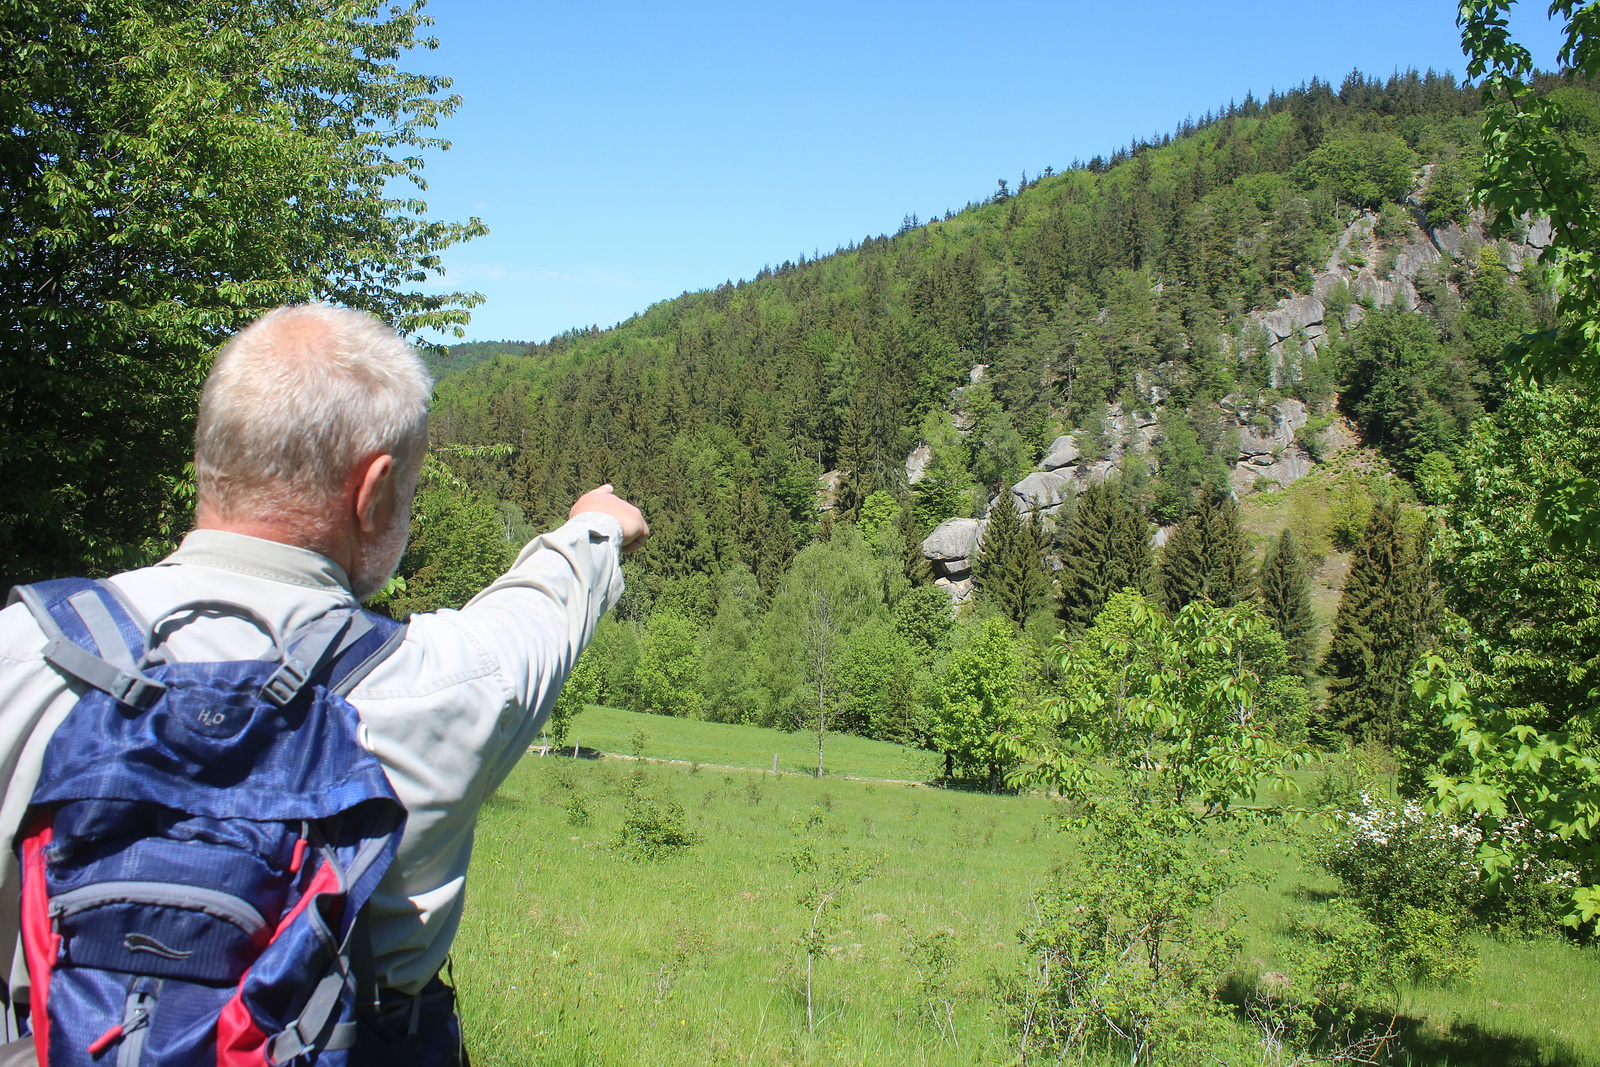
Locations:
column 1136, row 343
column 457, row 358
column 1123, row 279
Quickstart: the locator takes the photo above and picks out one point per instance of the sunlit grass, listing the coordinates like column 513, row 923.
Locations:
column 571, row 953
column 719, row 744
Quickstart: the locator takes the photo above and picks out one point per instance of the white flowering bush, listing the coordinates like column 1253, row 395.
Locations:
column 1534, row 890
column 1392, row 858
column 1392, row 854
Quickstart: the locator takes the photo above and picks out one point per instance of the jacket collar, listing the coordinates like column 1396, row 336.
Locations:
column 260, row 558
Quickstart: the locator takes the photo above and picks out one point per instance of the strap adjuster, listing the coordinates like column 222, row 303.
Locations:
column 137, row 691
column 286, row 682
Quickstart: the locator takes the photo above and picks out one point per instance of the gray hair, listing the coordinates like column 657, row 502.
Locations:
column 296, row 399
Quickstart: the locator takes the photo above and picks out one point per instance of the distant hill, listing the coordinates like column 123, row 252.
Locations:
column 1188, row 300
column 458, row 358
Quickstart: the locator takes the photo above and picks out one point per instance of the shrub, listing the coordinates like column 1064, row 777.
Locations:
column 1127, row 946
column 653, row 828
column 653, row 825
column 1415, row 873
column 1414, row 876
column 1312, row 436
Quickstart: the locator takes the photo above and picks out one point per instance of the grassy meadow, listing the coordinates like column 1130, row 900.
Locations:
column 572, row 952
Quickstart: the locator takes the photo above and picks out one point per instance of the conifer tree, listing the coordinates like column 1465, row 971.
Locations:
column 1208, row 558
column 1386, row 617
column 914, row 565
column 1107, row 548
column 1008, row 568
column 1286, row 599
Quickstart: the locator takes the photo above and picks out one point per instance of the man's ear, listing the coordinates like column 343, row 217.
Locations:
column 377, row 491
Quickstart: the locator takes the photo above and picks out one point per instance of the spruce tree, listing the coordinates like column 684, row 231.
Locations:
column 1208, row 558
column 1286, row 599
column 913, row 564
column 1387, row 615
column 1008, row 569
column 1107, row 548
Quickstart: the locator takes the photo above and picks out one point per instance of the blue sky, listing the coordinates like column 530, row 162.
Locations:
column 623, row 153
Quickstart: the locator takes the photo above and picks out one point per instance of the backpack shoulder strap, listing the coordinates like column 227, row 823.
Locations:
column 349, row 643
column 92, row 634
column 382, row 636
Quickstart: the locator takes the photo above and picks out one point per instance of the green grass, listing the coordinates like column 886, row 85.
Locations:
column 720, row 744
column 571, row 953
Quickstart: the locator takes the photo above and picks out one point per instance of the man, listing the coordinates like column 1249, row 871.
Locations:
column 311, row 434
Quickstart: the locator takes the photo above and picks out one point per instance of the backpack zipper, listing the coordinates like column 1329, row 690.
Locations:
column 218, row 905
column 133, row 1028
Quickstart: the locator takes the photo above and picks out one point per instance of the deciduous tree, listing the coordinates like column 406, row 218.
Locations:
column 171, row 169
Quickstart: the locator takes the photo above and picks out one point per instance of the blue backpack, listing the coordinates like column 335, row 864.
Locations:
column 201, row 840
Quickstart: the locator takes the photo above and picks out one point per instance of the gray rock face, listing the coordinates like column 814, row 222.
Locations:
column 959, row 591
column 1063, row 452
column 1291, row 413
column 1540, row 233
column 1325, row 283
column 1451, row 238
column 1136, row 430
column 1040, row 490
column 828, row 490
column 917, row 463
column 950, row 546
column 1269, row 452
column 1395, row 289
column 1414, row 256
column 1293, row 313
column 1353, row 234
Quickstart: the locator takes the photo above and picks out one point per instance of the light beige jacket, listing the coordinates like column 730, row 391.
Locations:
column 448, row 714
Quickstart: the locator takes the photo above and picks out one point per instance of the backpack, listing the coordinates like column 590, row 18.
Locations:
column 201, row 840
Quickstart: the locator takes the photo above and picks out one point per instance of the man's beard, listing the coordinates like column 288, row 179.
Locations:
column 376, row 561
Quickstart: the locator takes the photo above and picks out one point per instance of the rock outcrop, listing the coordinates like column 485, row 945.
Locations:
column 1371, row 271
column 917, row 462
column 1268, row 449
column 1041, row 491
column 950, row 546
column 1063, row 452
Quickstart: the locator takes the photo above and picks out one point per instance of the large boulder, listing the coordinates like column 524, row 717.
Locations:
column 1095, row 473
column 1040, row 490
column 1063, row 452
column 950, row 546
column 1253, row 443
